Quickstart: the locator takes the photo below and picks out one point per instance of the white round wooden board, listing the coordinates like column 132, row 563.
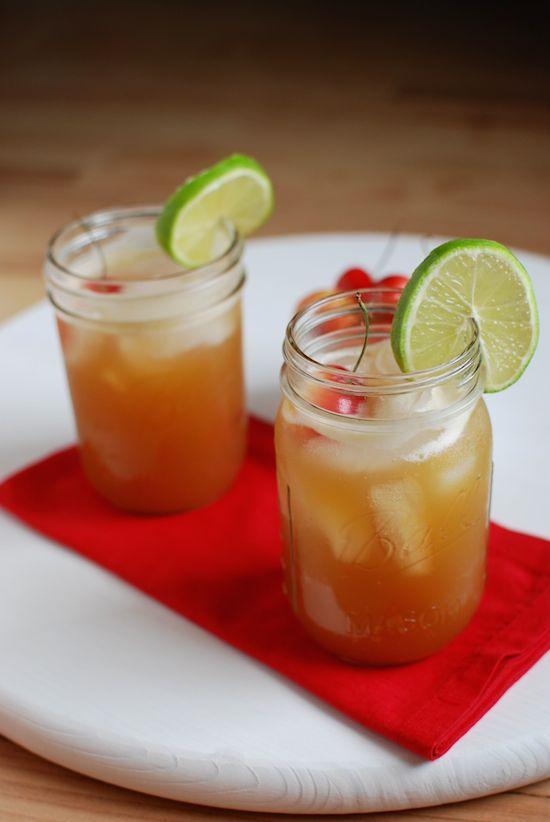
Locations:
column 101, row 679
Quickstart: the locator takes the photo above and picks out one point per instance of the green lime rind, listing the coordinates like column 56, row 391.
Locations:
column 204, row 183
column 498, row 332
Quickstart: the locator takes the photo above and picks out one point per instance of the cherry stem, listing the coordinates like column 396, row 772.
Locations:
column 365, row 312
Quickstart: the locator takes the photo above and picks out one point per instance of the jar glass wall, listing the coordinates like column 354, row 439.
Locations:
column 153, row 356
column 384, row 486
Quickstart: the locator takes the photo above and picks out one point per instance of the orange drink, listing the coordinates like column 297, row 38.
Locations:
column 154, row 362
column 384, row 485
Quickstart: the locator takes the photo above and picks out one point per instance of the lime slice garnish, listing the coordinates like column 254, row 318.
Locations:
column 192, row 228
column 459, row 281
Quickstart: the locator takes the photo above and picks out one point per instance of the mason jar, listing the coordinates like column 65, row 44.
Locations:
column 384, row 485
column 153, row 357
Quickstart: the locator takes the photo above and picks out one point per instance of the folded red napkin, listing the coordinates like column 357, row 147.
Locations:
column 220, row 567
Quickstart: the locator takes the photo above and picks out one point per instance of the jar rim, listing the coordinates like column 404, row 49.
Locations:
column 70, row 280
column 374, row 298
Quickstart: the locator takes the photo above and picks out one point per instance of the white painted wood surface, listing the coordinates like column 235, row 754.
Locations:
column 97, row 677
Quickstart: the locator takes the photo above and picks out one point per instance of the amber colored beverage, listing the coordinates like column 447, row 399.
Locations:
column 384, row 507
column 154, row 363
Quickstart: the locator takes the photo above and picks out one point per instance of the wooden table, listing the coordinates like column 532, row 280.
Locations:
column 367, row 116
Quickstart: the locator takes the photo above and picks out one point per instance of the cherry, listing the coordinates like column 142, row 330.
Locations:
column 397, row 281
column 394, row 281
column 354, row 278
column 338, row 403
column 100, row 287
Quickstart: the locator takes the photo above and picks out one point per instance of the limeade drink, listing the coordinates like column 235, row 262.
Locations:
column 148, row 305
column 154, row 362
column 385, row 511
column 384, row 472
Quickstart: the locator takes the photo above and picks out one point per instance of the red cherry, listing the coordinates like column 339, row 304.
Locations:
column 354, row 278
column 103, row 288
column 394, row 281
column 338, row 403
column 397, row 281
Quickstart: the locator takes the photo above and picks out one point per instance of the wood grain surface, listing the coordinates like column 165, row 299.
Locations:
column 368, row 116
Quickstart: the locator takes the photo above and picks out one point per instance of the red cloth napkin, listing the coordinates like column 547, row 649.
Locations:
column 220, row 567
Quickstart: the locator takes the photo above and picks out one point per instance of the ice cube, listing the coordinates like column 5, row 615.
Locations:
column 399, row 517
column 352, row 452
column 430, row 441
column 359, row 543
column 457, row 475
column 346, row 448
column 378, row 360
column 324, row 511
column 400, row 406
column 322, row 606
column 144, row 348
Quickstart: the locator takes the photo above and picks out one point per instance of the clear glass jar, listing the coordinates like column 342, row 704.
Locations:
column 384, row 485
column 153, row 356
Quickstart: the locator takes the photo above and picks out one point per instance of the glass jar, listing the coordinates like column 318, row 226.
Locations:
column 384, row 485
column 153, row 356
